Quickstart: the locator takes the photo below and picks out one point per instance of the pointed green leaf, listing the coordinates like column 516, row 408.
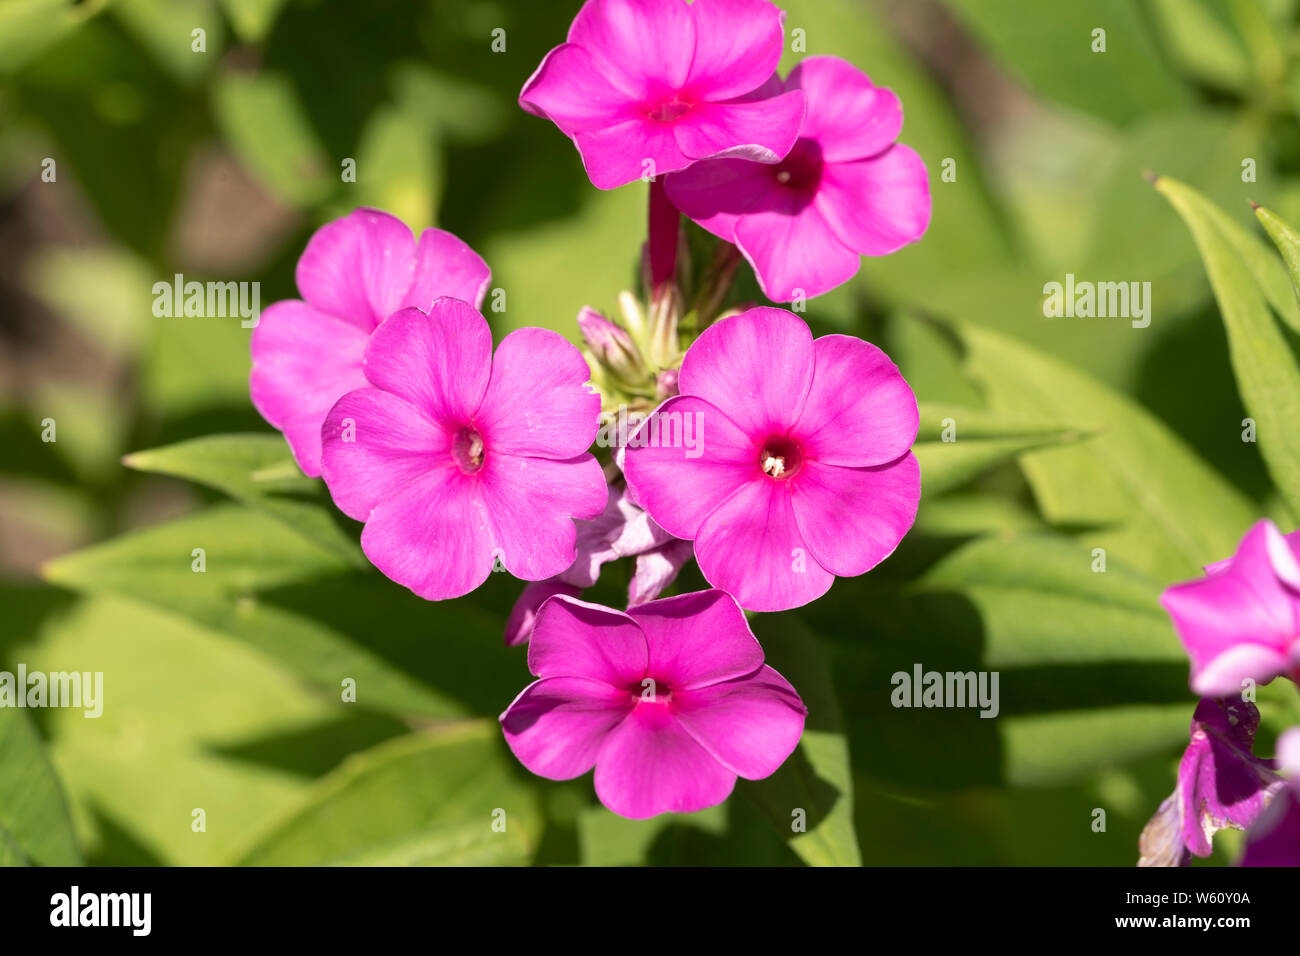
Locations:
column 1134, row 486
column 814, row 787
column 1268, row 377
column 259, row 471
column 452, row 796
column 956, row 444
column 35, row 829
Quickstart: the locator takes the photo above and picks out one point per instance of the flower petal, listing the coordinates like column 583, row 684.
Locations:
column 304, row 360
column 848, row 116
column 758, row 130
column 433, row 537
column 657, row 569
column 738, row 46
column 751, row 724
column 537, row 402
column 574, row 638
column 697, row 639
column 358, row 267
column 716, row 192
column 375, row 445
column 519, row 625
column 531, row 504
column 854, row 518
column 860, row 410
column 877, row 206
column 617, row 155
column 751, row 546
column 439, row 362
column 640, row 45
column 756, row 367
column 676, row 489
column 557, row 725
column 1274, row 840
column 649, row 765
column 1245, row 614
column 793, row 250
column 445, row 265
column 571, row 91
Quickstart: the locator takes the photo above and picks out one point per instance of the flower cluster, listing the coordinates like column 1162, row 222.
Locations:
column 1240, row 625
column 729, row 436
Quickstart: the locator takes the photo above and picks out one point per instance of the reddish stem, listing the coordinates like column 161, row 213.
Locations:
column 661, row 246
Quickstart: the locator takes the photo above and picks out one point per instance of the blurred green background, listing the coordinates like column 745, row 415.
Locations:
column 222, row 689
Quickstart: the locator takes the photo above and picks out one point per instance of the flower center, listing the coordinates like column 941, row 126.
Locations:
column 651, row 691
column 780, row 457
column 467, row 449
column 801, row 170
column 668, row 109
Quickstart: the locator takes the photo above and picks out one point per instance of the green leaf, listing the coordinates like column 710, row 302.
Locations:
column 179, row 702
column 1077, row 651
column 264, row 122
column 165, row 29
column 257, row 470
column 978, row 442
column 252, row 19
column 1268, row 377
column 1134, row 488
column 1201, row 44
column 29, row 26
column 428, row 799
column 1288, row 243
column 815, row 785
column 399, row 167
column 35, row 828
column 1050, row 47
column 308, row 610
column 246, row 556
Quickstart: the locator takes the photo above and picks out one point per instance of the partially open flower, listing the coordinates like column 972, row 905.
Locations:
column 1221, row 783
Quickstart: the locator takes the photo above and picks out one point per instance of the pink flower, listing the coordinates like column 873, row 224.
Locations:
column 1221, row 783
column 1274, row 840
column 354, row 273
column 1242, row 621
column 650, row 86
column 845, row 190
column 798, row 466
column 453, row 457
column 670, row 702
column 622, row 530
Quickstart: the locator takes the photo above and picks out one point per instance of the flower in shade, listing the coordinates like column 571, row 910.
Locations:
column 354, row 273
column 1242, row 620
column 622, row 530
column 845, row 190
column 1274, row 840
column 670, row 702
column 1221, row 783
column 453, row 457
column 800, row 468
column 650, row 86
